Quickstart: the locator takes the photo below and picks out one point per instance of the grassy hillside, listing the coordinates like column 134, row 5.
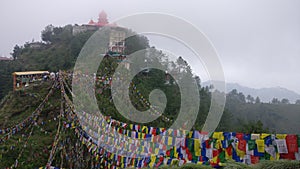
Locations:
column 32, row 145
column 16, row 107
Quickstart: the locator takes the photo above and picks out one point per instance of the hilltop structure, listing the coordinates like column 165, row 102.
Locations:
column 102, row 20
column 5, row 58
column 92, row 25
column 116, row 38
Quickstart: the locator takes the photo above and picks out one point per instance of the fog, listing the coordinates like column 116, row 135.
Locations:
column 258, row 41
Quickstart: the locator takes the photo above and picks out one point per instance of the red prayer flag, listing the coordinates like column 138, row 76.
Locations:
column 207, row 144
column 229, row 150
column 240, row 136
column 242, row 145
column 254, row 159
column 290, row 156
column 292, row 143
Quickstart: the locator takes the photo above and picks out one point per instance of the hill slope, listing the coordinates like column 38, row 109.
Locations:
column 278, row 118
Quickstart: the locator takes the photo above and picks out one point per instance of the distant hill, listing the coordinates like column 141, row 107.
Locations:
column 265, row 94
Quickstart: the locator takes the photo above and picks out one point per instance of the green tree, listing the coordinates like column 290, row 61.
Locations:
column 17, row 51
column 257, row 100
column 234, row 97
column 275, row 101
column 135, row 43
column 250, row 99
column 285, row 101
column 47, row 34
column 198, row 81
column 254, row 127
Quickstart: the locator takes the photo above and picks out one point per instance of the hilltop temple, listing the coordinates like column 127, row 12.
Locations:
column 117, row 36
column 92, row 25
column 102, row 20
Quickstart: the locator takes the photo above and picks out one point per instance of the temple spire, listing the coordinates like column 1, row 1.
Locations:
column 102, row 20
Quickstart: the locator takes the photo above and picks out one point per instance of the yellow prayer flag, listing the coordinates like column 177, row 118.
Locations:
column 143, row 149
column 277, row 156
column 175, row 152
column 145, row 128
column 191, row 134
column 218, row 144
column 281, row 136
column 260, row 145
column 131, row 126
column 218, row 135
column 264, row 135
column 215, row 159
column 174, row 161
column 153, row 159
column 73, row 125
column 215, row 135
column 197, row 147
column 170, row 140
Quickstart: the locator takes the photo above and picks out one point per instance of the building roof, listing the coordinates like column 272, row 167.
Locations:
column 30, row 73
column 5, row 58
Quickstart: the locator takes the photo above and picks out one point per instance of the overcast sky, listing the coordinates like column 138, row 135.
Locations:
column 258, row 41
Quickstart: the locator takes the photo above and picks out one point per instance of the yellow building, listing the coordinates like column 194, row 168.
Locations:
column 23, row 79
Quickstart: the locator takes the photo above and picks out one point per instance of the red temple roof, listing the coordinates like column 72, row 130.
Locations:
column 91, row 22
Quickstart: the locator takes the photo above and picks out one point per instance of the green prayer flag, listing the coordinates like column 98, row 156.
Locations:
column 251, row 144
column 172, row 153
column 267, row 156
column 190, row 144
column 195, row 158
column 222, row 157
column 215, row 143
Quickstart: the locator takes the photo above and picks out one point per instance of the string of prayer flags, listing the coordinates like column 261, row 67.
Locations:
column 169, row 146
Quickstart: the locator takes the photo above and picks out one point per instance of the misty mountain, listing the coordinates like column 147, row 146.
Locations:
column 265, row 94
